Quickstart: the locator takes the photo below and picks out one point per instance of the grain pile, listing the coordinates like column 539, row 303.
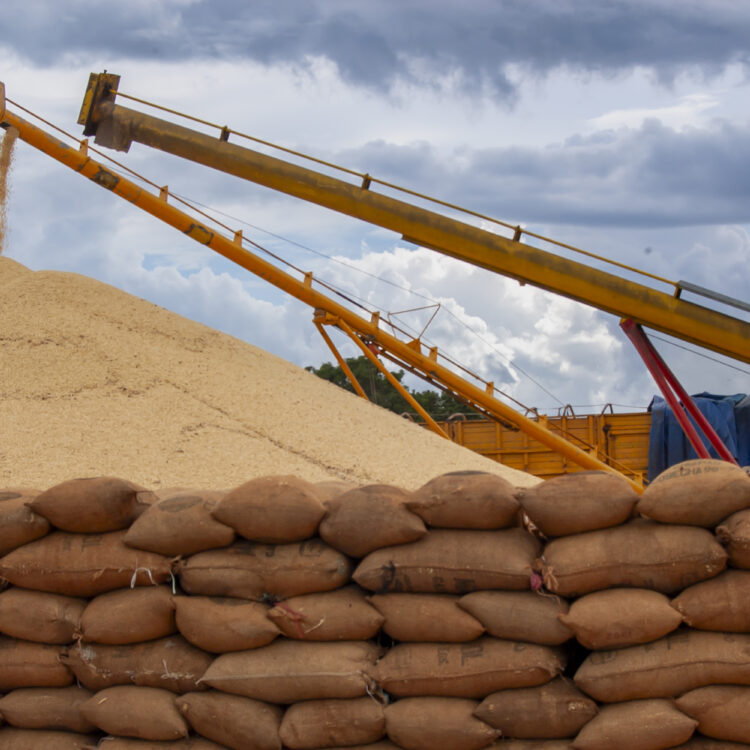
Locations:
column 295, row 616
column 95, row 381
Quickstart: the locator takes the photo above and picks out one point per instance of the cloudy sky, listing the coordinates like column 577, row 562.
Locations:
column 620, row 127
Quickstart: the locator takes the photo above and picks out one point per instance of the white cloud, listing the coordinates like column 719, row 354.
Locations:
column 688, row 110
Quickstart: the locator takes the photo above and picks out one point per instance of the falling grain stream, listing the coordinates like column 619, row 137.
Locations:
column 6, row 156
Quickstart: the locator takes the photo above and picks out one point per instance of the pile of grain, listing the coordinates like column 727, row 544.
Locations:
column 96, row 381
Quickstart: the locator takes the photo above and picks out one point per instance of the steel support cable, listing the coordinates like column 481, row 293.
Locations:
column 367, row 178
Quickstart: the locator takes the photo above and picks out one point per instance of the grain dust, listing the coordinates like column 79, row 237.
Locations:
column 95, row 381
column 6, row 157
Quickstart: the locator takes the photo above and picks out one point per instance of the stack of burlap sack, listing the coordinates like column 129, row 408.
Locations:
column 287, row 614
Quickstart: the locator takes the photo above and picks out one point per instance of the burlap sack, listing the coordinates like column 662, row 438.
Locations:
column 144, row 712
column 722, row 604
column 329, row 489
column 722, row 711
column 519, row 615
column 341, row 615
column 466, row 670
column 734, row 534
column 82, row 564
column 685, row 660
column 251, row 571
column 466, row 500
column 232, row 720
column 181, row 524
column 574, row 503
column 218, row 624
column 46, row 739
column 430, row 723
column 367, row 518
column 552, row 711
column 191, row 743
column 639, row 554
column 38, row 616
column 621, row 617
column 704, row 743
column 47, row 708
column 336, row 722
column 169, row 663
column 129, row 616
column 430, row 618
column 452, row 562
column 532, row 745
column 93, row 506
column 701, row 492
column 25, row 664
column 636, row 725
column 276, row 509
column 292, row 671
column 18, row 523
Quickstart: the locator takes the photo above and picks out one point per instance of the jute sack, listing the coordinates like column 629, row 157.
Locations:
column 614, row 618
column 421, row 618
column 231, row 720
column 340, row 615
column 251, row 571
column 704, row 743
column 722, row 711
column 181, row 524
column 82, row 564
column 430, row 723
column 18, row 523
column 38, row 616
column 191, row 743
column 169, row 663
column 532, row 745
column 574, row 503
column 722, row 604
column 452, row 562
column 46, row 708
column 519, row 615
column 129, row 616
column 144, row 712
column 46, row 739
column 466, row 670
column 466, row 500
column 701, row 492
column 734, row 534
column 219, row 624
column 276, row 509
column 367, row 518
column 636, row 725
column 685, row 660
column 639, row 554
column 552, row 711
column 25, row 664
column 93, row 506
column 292, row 671
column 336, row 722
column 329, row 489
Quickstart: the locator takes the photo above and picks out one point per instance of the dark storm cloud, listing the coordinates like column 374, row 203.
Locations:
column 652, row 176
column 375, row 43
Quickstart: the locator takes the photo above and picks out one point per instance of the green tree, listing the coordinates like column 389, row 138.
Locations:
column 438, row 404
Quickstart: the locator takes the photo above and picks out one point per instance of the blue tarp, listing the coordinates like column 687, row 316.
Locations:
column 728, row 415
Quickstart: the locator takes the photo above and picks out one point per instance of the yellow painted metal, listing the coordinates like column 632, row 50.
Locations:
column 426, row 366
column 2, row 99
column 119, row 126
column 620, row 440
column 429, row 421
column 342, row 362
